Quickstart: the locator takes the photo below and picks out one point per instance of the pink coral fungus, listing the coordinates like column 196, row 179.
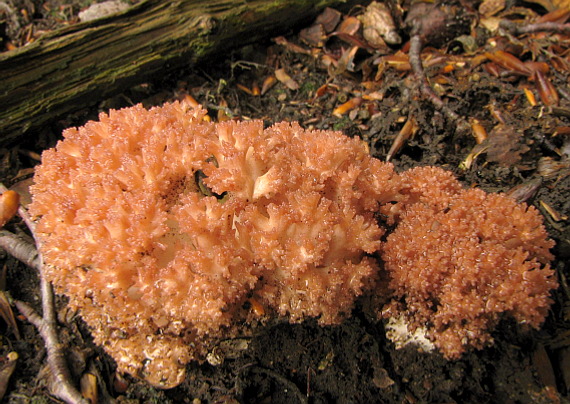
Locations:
column 460, row 258
column 158, row 226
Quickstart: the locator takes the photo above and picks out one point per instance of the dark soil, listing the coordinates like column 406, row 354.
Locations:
column 353, row 362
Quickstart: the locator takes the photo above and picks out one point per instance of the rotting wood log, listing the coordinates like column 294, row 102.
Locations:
column 80, row 65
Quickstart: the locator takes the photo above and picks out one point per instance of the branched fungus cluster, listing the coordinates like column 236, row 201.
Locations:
column 159, row 226
column 460, row 258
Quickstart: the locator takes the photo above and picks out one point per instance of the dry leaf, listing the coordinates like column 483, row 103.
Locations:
column 88, row 385
column 529, row 96
column 524, row 191
column 398, row 61
column 554, row 214
column 244, row 89
column 491, row 7
column 479, row 131
column 559, row 16
column 255, row 90
column 378, row 26
column 102, row 10
column 543, row 366
column 120, row 383
column 491, row 24
column 349, row 26
column 546, row 90
column 268, row 83
column 347, row 106
column 382, row 379
column 509, row 61
column 472, row 156
column 315, row 35
column 280, row 40
column 284, row 78
column 21, row 184
column 329, row 19
column 346, row 61
column 504, row 145
column 7, row 314
column 409, row 129
column 353, row 40
column 551, row 5
column 6, row 370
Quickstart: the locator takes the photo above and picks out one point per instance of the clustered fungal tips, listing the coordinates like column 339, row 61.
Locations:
column 167, row 231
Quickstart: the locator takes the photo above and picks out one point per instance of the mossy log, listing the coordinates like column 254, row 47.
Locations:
column 79, row 65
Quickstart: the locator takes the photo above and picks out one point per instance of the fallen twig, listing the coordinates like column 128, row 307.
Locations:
column 415, row 59
column 516, row 29
column 61, row 387
column 20, row 249
column 414, row 56
column 435, row 24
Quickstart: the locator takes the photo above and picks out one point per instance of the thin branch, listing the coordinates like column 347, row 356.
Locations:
column 416, row 45
column 20, row 249
column 61, row 385
column 414, row 55
column 553, row 27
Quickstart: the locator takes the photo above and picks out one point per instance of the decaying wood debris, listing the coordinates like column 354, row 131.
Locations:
column 74, row 67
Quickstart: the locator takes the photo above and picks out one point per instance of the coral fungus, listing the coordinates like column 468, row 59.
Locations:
column 159, row 226
column 458, row 259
